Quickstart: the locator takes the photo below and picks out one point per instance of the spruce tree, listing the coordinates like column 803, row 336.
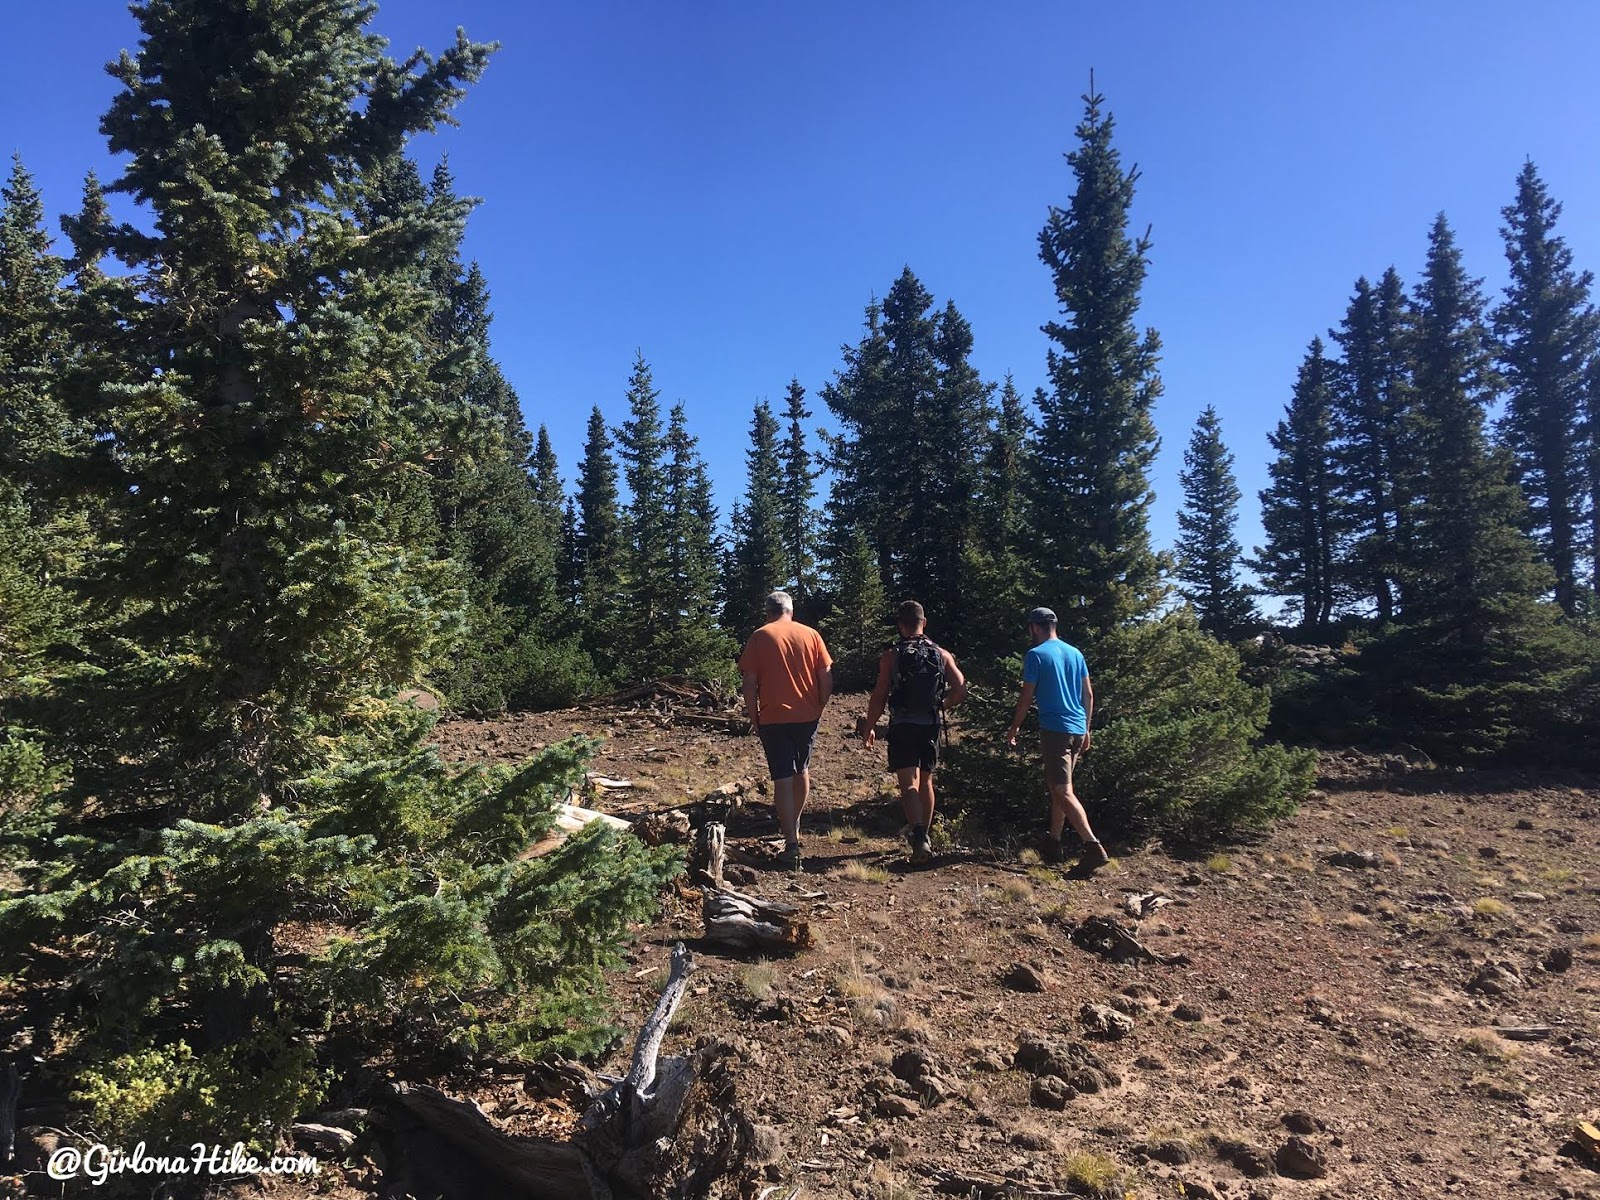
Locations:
column 696, row 645
column 797, row 495
column 599, row 540
column 1090, row 494
column 858, row 623
column 1479, row 645
column 240, row 759
column 758, row 563
column 1371, row 417
column 645, row 649
column 1301, row 512
column 549, row 494
column 1545, row 338
column 1000, row 569
column 1208, row 552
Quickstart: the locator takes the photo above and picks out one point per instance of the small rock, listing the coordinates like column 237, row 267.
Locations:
column 1524, row 823
column 1300, row 1121
column 1032, row 1139
column 1496, row 979
column 1173, row 1151
column 1103, row 1022
column 1052, row 1092
column 1150, row 1062
column 1299, row 1159
column 1436, row 844
column 1195, row 1188
column 1088, row 1081
column 765, row 1146
column 1529, row 897
column 1189, row 1012
column 893, row 1146
column 1488, row 852
column 1359, row 860
column 897, row 1106
column 915, row 1065
column 1250, row 1160
column 831, row 1036
column 1020, row 977
column 1558, row 959
column 1041, row 1055
column 991, row 1060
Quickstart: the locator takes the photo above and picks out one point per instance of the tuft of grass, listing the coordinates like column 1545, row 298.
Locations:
column 1355, row 920
column 1062, row 913
column 1488, row 906
column 855, row 982
column 1220, row 863
column 1489, row 1044
column 758, row 979
column 844, row 833
column 858, row 872
column 1029, row 857
column 1016, row 889
column 1397, row 832
column 1492, row 882
column 1092, row 1174
column 1558, row 875
column 1044, row 875
column 1390, row 858
column 1591, row 941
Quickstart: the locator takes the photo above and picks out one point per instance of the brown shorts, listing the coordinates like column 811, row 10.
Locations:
column 1060, row 751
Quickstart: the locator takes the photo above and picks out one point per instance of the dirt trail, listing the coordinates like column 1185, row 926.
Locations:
column 1345, row 976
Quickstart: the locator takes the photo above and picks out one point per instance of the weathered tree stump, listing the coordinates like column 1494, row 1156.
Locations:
column 740, row 921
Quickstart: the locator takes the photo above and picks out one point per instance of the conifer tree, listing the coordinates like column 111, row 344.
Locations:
column 797, row 496
column 698, row 647
column 645, row 650
column 858, row 622
column 1545, row 338
column 1371, row 417
column 239, row 757
column 600, row 544
column 1001, row 572
column 1090, row 494
column 549, row 494
column 1301, row 512
column 758, row 562
column 1479, row 644
column 1208, row 552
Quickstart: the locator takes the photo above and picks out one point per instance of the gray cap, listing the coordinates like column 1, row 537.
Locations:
column 1042, row 616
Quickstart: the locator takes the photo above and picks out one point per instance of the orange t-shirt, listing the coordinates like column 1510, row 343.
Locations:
column 788, row 660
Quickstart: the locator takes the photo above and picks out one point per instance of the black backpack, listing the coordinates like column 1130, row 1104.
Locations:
column 919, row 683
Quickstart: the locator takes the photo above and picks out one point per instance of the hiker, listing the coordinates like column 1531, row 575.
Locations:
column 788, row 678
column 918, row 679
column 1055, row 674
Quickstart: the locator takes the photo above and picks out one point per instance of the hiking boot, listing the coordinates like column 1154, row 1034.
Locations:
column 1050, row 848
column 1094, row 856
column 790, row 859
column 921, row 847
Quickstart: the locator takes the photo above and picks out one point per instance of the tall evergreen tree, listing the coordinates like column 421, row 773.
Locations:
column 1090, row 495
column 858, row 622
column 797, row 496
column 1478, row 641
column 599, row 537
column 253, row 387
column 1301, row 512
column 912, row 414
column 1208, row 552
column 698, row 648
column 758, row 561
column 1545, row 337
column 1371, row 416
column 549, row 494
column 1001, row 572
column 645, row 649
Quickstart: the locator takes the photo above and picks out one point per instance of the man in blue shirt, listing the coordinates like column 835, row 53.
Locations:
column 1056, row 675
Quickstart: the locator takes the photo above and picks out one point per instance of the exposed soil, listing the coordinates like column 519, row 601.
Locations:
column 1327, row 1017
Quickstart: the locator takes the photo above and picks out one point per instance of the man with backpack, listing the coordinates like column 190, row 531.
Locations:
column 918, row 680
column 1055, row 674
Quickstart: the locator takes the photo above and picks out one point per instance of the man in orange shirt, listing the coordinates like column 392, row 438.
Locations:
column 788, row 678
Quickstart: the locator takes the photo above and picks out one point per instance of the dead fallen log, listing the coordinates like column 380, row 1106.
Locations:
column 1103, row 936
column 968, row 1182
column 1523, row 1033
column 735, row 725
column 740, row 921
column 569, row 819
column 672, row 1126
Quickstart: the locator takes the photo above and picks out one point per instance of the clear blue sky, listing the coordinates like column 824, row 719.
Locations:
column 724, row 185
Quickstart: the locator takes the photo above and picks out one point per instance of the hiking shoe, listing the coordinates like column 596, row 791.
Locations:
column 921, row 847
column 1050, row 849
column 1094, row 856
column 790, row 859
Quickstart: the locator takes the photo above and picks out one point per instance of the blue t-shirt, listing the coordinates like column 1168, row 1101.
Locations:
column 1058, row 673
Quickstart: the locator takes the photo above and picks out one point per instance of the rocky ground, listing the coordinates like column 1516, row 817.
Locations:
column 1392, row 994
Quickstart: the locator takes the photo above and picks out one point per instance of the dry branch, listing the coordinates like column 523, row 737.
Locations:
column 740, row 921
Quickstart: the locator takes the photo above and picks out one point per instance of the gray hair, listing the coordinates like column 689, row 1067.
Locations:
column 779, row 603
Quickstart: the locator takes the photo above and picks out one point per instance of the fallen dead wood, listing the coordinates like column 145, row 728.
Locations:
column 740, row 921
column 672, row 1126
column 1103, row 936
column 949, row 1182
column 569, row 819
column 738, row 725
column 1523, row 1033
column 671, row 690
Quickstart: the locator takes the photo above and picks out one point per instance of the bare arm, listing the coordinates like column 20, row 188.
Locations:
column 825, row 688
column 957, row 691
column 752, row 702
column 1024, row 703
column 1088, row 711
column 880, row 695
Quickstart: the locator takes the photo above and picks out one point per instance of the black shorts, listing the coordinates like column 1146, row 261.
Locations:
column 913, row 746
column 788, row 747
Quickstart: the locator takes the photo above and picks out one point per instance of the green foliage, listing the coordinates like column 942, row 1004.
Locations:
column 1177, row 743
column 758, row 560
column 696, row 647
column 1208, row 552
column 1090, row 495
column 859, row 624
column 598, row 547
column 796, row 493
column 999, row 563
